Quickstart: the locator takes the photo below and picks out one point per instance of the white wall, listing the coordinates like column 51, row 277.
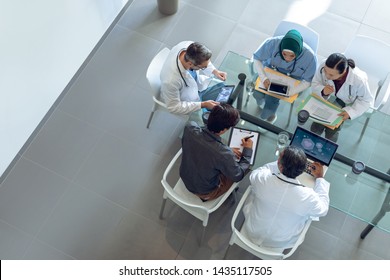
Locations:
column 42, row 45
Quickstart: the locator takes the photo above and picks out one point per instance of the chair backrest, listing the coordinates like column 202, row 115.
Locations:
column 180, row 195
column 309, row 36
column 154, row 69
column 240, row 237
column 372, row 56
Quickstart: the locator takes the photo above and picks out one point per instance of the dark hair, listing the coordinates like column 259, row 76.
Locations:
column 293, row 161
column 197, row 53
column 222, row 116
column 339, row 62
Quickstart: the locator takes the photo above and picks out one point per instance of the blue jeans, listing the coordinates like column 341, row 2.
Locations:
column 270, row 106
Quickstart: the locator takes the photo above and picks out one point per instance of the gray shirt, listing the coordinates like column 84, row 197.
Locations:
column 205, row 157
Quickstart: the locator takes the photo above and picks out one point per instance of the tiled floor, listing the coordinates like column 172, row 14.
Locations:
column 88, row 186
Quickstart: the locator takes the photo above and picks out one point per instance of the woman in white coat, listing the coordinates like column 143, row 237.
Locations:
column 339, row 81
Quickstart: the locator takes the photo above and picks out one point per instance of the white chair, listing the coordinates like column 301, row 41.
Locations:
column 153, row 76
column 372, row 56
column 239, row 237
column 187, row 200
column 309, row 36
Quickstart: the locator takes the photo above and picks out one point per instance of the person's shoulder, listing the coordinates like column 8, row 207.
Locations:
column 359, row 73
column 266, row 170
column 308, row 51
column 273, row 40
column 182, row 45
column 192, row 125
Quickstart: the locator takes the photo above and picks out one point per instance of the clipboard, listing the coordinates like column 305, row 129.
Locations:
column 236, row 134
column 277, row 76
column 316, row 106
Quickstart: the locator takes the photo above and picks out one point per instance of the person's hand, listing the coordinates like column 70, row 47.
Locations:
column 328, row 89
column 220, row 75
column 266, row 83
column 209, row 104
column 317, row 170
column 344, row 114
column 237, row 152
column 247, row 143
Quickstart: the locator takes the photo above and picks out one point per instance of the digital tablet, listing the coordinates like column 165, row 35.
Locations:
column 278, row 88
column 225, row 93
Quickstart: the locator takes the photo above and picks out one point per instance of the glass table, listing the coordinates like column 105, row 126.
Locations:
column 365, row 196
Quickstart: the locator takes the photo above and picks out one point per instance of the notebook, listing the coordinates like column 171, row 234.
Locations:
column 236, row 134
column 225, row 93
column 316, row 148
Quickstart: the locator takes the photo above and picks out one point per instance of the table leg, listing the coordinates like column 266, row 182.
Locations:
column 382, row 212
column 289, row 115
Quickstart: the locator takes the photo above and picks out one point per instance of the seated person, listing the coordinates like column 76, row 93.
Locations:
column 209, row 167
column 279, row 206
column 288, row 55
column 185, row 76
column 339, row 77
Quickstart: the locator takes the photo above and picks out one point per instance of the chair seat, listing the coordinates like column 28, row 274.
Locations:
column 188, row 201
column 182, row 191
column 240, row 237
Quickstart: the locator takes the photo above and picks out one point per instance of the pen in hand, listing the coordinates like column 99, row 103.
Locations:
column 248, row 137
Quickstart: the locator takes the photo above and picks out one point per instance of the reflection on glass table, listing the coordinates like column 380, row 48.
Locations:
column 372, row 149
column 362, row 196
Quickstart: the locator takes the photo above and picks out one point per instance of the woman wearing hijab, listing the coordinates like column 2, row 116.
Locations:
column 288, row 55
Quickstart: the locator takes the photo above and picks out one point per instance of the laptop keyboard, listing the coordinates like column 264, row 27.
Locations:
column 309, row 167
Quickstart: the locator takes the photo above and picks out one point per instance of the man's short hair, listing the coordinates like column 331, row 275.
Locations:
column 222, row 116
column 197, row 53
column 293, row 161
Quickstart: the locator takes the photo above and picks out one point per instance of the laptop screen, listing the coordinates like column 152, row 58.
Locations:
column 316, row 147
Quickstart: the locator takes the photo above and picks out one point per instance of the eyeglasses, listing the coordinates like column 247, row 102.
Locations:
column 200, row 67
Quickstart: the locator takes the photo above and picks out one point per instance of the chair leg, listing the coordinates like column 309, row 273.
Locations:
column 226, row 253
column 202, row 236
column 150, row 119
column 162, row 208
column 247, row 99
column 289, row 115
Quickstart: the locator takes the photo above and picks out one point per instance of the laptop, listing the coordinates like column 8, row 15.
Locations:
column 225, row 93
column 279, row 88
column 316, row 148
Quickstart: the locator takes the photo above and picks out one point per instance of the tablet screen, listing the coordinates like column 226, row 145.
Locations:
column 278, row 88
column 224, row 94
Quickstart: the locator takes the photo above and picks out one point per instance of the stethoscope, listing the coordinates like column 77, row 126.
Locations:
column 178, row 68
column 276, row 68
column 292, row 183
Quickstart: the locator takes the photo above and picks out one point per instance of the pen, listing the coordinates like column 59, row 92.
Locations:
column 246, row 138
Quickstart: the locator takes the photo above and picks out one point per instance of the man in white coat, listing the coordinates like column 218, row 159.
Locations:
column 185, row 76
column 279, row 206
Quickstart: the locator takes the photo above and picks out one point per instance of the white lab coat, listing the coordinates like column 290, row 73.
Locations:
column 276, row 211
column 182, row 99
column 355, row 92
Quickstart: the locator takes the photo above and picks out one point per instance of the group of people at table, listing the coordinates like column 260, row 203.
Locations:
column 279, row 205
